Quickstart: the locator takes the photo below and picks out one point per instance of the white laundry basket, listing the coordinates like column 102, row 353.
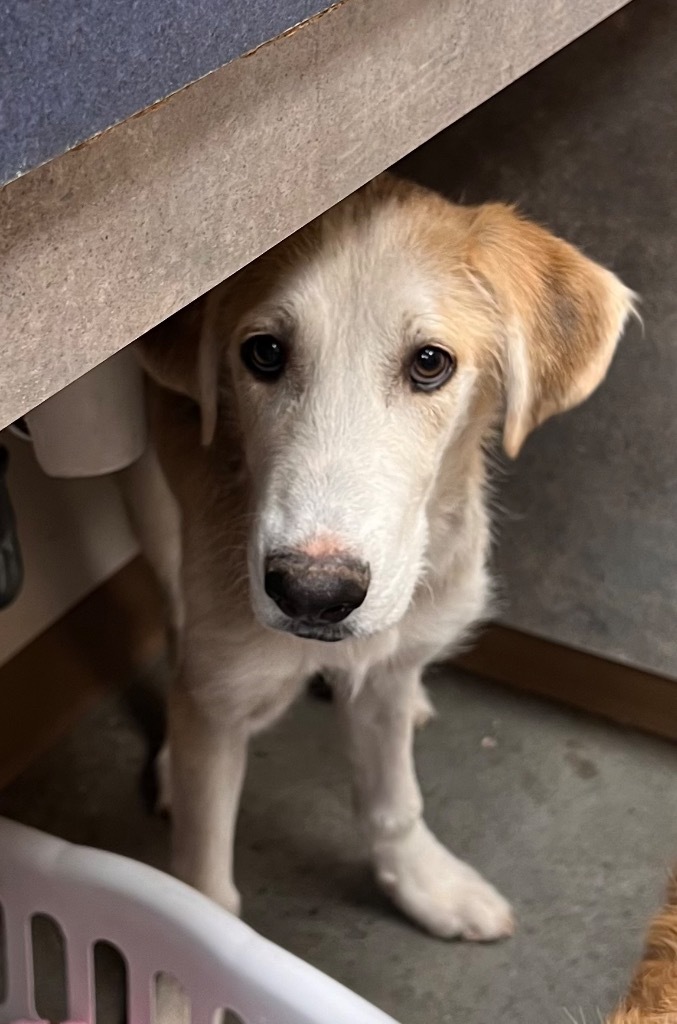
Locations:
column 159, row 925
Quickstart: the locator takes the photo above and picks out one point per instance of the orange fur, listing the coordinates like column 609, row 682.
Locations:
column 652, row 998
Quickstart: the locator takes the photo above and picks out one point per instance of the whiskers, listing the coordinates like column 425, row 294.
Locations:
column 579, row 1017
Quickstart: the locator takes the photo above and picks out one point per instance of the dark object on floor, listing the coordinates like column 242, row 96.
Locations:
column 11, row 565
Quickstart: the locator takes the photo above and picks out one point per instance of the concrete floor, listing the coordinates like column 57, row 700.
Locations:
column 574, row 819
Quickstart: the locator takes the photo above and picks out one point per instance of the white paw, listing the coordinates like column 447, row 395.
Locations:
column 441, row 893
column 163, row 800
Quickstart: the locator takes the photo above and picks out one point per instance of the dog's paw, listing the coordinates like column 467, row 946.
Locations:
column 442, row 894
column 163, row 783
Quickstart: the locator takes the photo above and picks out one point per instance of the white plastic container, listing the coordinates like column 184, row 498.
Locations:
column 95, row 425
column 159, row 925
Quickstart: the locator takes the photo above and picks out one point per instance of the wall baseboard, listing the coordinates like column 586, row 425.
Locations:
column 100, row 645
column 626, row 695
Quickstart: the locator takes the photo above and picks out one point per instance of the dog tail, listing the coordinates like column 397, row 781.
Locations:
column 652, row 998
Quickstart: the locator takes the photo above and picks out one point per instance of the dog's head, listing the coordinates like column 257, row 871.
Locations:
column 365, row 360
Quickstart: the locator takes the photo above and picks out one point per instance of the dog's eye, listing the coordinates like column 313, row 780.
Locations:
column 264, row 356
column 431, row 367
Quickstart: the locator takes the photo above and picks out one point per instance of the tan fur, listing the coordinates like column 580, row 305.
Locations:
column 652, row 998
column 344, row 454
column 569, row 309
column 566, row 311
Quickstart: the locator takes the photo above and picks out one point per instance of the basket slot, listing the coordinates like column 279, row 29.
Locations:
column 111, row 987
column 229, row 1017
column 174, row 1005
column 204, row 1015
column 171, row 1003
column 48, row 946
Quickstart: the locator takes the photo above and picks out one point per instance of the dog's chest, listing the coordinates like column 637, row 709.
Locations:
column 443, row 610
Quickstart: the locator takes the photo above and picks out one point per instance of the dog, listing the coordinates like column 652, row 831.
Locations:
column 652, row 998
column 315, row 498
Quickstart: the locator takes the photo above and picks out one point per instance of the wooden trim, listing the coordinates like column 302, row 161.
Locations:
column 624, row 694
column 99, row 645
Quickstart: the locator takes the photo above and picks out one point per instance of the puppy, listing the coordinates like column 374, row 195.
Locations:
column 316, row 498
column 653, row 994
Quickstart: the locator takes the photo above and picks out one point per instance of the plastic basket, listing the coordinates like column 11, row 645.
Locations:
column 160, row 926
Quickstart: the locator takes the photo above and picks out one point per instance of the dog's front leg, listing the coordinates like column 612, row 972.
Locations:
column 207, row 766
column 443, row 894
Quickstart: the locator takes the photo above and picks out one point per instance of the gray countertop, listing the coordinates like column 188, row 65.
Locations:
column 72, row 69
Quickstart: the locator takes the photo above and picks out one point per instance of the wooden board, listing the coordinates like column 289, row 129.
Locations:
column 101, row 644
column 624, row 694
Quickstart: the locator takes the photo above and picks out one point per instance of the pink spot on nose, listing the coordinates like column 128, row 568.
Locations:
column 323, row 546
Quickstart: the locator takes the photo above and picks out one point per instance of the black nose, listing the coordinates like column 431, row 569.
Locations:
column 316, row 590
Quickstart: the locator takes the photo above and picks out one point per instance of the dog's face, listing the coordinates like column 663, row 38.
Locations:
column 365, row 360
column 353, row 376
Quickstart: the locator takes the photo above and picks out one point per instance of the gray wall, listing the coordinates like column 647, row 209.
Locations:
column 587, row 143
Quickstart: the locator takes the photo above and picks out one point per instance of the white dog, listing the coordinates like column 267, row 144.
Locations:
column 321, row 422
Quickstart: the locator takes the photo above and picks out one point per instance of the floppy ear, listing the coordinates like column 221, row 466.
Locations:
column 182, row 354
column 563, row 315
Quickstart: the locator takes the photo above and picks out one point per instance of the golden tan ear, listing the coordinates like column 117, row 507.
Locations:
column 563, row 315
column 182, row 354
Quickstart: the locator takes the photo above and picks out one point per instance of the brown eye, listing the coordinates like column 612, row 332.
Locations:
column 431, row 367
column 264, row 356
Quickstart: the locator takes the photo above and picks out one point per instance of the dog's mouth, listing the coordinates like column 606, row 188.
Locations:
column 314, row 631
